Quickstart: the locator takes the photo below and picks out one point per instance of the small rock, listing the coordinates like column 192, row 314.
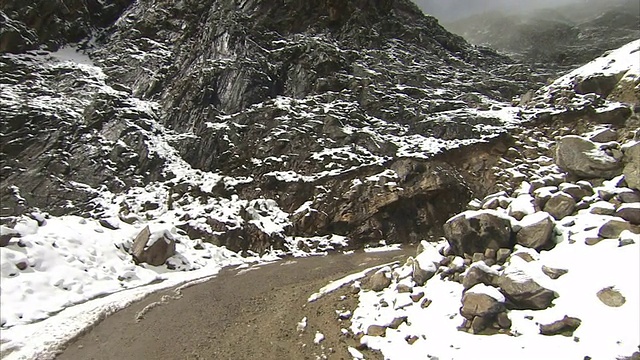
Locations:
column 477, row 257
column 613, row 227
column 395, row 323
column 565, row 327
column 553, row 273
column 629, row 197
column 417, row 297
column 602, row 208
column 503, row 320
column 490, row 254
column 629, row 212
column 479, row 273
column 411, row 339
column 376, row 330
column 502, row 255
column 611, row 297
column 110, row 223
column 478, row 324
column 592, row 240
column 625, row 242
column 604, row 135
column 402, row 288
column 524, row 256
column 22, row 265
column 425, row 303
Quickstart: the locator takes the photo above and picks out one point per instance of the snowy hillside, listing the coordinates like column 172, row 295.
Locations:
column 548, row 269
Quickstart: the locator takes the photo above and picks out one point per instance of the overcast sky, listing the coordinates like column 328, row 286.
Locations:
column 446, row 10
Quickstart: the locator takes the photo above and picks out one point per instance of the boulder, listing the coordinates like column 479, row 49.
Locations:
column 632, row 166
column 613, row 228
column 153, row 250
column 560, row 205
column 576, row 191
column 475, row 231
column 522, row 291
column 566, row 326
column 629, row 212
column 479, row 273
column 380, row 280
column 536, row 231
column 611, row 297
column 584, row 159
column 482, row 300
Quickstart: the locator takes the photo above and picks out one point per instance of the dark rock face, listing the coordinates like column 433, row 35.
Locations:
column 348, row 108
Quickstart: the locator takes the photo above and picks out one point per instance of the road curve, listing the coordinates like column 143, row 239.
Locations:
column 240, row 314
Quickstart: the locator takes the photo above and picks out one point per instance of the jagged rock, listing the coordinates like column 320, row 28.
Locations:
column 153, row 250
column 566, row 326
column 476, row 231
column 613, row 228
column 553, row 273
column 482, row 301
column 585, row 159
column 629, row 212
column 536, row 231
column 522, row 291
column 402, row 288
column 376, row 330
column 479, row 273
column 611, row 297
column 560, row 205
column 632, row 166
column 379, row 281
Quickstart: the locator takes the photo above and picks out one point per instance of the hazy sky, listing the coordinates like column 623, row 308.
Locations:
column 453, row 9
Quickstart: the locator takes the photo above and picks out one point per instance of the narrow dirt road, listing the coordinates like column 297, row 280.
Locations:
column 240, row 314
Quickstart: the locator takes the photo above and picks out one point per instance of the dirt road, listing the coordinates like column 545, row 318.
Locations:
column 239, row 314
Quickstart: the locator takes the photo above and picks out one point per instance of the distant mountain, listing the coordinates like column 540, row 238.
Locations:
column 555, row 38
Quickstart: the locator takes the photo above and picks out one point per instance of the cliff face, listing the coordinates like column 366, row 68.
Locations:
column 324, row 117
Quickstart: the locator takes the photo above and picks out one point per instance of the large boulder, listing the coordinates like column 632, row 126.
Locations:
column 613, row 227
column 560, row 205
column 475, row 231
column 153, row 250
column 536, row 231
column 584, row 159
column 522, row 291
column 632, row 168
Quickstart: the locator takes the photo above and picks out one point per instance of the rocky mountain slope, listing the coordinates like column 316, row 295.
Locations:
column 245, row 124
column 558, row 38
